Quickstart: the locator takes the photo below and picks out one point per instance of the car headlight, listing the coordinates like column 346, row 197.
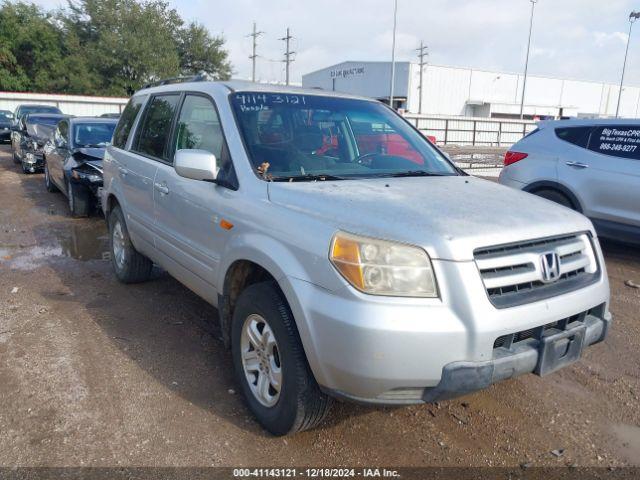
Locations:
column 91, row 177
column 379, row 267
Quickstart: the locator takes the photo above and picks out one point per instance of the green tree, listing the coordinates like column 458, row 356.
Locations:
column 200, row 52
column 108, row 47
column 30, row 45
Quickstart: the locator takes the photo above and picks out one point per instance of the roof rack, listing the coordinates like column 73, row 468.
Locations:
column 199, row 77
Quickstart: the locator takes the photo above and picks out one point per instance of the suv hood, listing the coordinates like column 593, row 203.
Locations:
column 448, row 216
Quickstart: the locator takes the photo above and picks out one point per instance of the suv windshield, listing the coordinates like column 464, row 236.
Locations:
column 93, row 134
column 311, row 137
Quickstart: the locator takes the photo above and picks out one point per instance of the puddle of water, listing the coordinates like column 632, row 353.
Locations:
column 629, row 437
column 84, row 243
column 80, row 242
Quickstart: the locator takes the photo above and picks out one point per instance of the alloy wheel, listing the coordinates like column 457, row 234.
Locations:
column 261, row 360
column 118, row 245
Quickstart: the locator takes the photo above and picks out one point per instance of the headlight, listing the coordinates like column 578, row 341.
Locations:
column 379, row 267
column 91, row 177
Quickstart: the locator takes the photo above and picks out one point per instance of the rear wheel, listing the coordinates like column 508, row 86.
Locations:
column 270, row 364
column 79, row 200
column 129, row 265
column 47, row 180
column 557, row 197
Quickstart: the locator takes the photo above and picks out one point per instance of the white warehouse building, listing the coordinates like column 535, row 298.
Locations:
column 476, row 93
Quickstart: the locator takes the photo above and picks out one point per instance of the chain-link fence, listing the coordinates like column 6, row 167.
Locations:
column 477, row 161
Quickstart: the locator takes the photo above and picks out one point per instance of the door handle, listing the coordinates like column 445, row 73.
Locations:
column 577, row 165
column 162, row 188
column 123, row 171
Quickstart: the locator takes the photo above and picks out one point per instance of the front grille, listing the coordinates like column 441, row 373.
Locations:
column 513, row 339
column 513, row 275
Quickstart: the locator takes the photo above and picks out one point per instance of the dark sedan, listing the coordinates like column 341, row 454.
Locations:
column 73, row 161
column 35, row 129
column 6, row 121
column 21, row 111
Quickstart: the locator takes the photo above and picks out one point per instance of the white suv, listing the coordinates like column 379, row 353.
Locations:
column 591, row 166
column 347, row 256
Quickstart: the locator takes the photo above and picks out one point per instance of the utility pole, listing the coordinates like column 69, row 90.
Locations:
column 423, row 52
column 632, row 18
column 254, row 55
column 526, row 65
column 393, row 52
column 288, row 53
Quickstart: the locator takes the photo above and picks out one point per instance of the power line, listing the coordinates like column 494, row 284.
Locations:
column 423, row 52
column 254, row 55
column 288, row 54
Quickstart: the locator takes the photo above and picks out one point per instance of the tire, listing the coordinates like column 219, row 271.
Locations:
column 47, row 180
column 129, row 265
column 300, row 404
column 16, row 159
column 24, row 170
column 556, row 196
column 79, row 200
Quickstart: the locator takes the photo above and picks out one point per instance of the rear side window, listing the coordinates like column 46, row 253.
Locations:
column 156, row 126
column 617, row 141
column 129, row 115
column 578, row 136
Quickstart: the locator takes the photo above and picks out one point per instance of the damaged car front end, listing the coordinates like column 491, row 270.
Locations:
column 73, row 162
column 37, row 130
column 84, row 170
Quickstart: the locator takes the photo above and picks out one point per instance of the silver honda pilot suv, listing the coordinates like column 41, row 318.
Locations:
column 347, row 256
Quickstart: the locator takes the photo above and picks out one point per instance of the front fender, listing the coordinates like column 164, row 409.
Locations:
column 272, row 255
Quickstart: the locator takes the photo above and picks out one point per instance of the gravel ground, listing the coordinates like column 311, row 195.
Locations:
column 96, row 373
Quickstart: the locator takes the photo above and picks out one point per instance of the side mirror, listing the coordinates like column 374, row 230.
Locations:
column 196, row 165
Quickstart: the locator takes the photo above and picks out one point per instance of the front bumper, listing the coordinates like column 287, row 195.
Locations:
column 33, row 161
column 95, row 186
column 532, row 356
column 390, row 351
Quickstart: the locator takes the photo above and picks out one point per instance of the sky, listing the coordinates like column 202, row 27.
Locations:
column 579, row 39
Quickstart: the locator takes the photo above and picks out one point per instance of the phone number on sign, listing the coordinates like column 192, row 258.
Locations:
column 618, row 147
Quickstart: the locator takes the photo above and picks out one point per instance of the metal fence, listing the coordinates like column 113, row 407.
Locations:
column 82, row 105
column 473, row 131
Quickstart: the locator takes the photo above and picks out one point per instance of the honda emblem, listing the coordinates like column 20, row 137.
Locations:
column 550, row 263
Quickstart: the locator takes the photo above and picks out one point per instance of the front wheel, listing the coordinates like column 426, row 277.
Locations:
column 270, row 364
column 129, row 265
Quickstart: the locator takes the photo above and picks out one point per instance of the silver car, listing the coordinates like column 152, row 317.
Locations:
column 591, row 166
column 347, row 256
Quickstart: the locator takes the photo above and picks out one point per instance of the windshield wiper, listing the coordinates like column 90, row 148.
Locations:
column 309, row 177
column 414, row 173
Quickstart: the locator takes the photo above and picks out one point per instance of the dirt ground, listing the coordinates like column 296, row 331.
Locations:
column 97, row 373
